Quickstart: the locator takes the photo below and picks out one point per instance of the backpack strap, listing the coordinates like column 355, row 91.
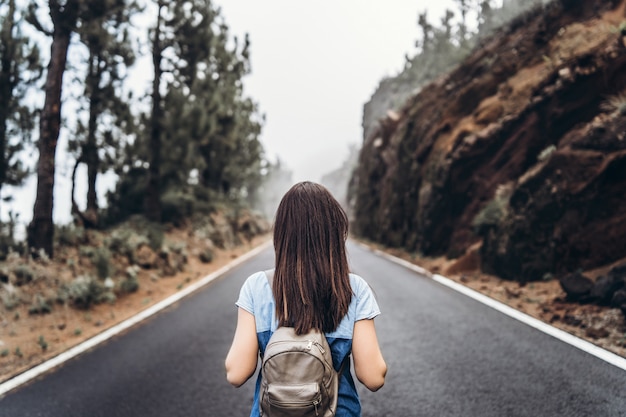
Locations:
column 343, row 365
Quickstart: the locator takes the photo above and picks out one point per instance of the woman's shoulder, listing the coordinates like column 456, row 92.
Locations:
column 256, row 280
column 362, row 305
column 254, row 287
column 358, row 284
column 364, row 300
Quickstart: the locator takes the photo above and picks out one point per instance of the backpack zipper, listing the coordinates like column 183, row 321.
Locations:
column 315, row 402
column 319, row 346
column 309, row 345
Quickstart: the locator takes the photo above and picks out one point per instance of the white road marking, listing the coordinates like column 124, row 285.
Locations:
column 563, row 336
column 46, row 366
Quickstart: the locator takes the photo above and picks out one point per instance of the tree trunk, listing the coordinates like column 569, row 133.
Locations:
column 41, row 228
column 90, row 150
column 6, row 87
column 152, row 198
column 87, row 219
column 75, row 209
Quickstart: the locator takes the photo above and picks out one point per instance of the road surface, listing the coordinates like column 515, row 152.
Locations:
column 448, row 355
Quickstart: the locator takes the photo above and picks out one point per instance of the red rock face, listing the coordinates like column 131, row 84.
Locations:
column 567, row 214
column 530, row 126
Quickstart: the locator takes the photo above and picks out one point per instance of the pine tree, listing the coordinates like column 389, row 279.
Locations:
column 486, row 16
column 464, row 7
column 64, row 16
column 20, row 67
column 216, row 128
column 231, row 157
column 105, row 33
column 152, row 195
column 200, row 140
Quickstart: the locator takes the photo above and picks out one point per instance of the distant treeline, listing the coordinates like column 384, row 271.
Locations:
column 439, row 48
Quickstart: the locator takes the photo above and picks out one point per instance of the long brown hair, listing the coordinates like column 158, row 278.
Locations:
column 311, row 283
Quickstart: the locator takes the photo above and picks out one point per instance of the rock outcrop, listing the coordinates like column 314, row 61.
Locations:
column 521, row 147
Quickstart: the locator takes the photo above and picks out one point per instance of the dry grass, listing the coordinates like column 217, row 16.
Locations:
column 29, row 339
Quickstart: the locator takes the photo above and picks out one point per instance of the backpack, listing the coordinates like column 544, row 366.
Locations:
column 297, row 375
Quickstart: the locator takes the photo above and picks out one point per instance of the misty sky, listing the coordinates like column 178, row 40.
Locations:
column 314, row 65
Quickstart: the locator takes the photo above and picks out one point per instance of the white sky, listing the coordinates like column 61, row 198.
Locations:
column 314, row 65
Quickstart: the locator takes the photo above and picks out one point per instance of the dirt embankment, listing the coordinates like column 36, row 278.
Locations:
column 601, row 325
column 509, row 173
column 100, row 279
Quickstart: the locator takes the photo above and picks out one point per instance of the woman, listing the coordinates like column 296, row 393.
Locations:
column 312, row 289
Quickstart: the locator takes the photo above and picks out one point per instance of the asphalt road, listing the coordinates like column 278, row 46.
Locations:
column 448, row 355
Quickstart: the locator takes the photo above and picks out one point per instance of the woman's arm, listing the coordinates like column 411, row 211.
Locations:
column 369, row 365
column 242, row 357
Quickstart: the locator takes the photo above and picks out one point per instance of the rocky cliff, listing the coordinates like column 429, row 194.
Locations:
column 520, row 147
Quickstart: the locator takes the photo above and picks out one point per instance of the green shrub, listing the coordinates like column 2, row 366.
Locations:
column 621, row 28
column 8, row 243
column 102, row 261
column 10, row 298
column 494, row 212
column 84, row 291
column 206, row 255
column 4, row 275
column 130, row 283
column 40, row 305
column 120, row 242
column 42, row 343
column 87, row 252
column 41, row 256
column 132, row 271
column 69, row 235
column 490, row 216
column 177, row 206
column 179, row 248
column 23, row 274
column 125, row 242
column 545, row 154
column 615, row 104
column 108, row 297
column 155, row 235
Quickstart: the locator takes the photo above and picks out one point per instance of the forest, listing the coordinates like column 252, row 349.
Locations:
column 182, row 145
column 186, row 142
